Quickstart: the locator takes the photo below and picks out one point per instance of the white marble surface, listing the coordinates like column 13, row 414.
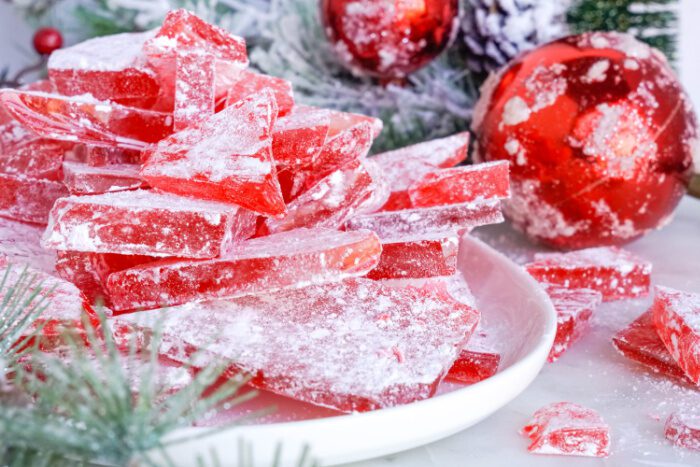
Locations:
column 591, row 373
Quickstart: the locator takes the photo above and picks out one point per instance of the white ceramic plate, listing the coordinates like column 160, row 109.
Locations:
column 514, row 310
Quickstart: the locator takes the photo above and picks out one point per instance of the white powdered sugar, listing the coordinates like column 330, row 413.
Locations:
column 515, row 111
column 597, row 73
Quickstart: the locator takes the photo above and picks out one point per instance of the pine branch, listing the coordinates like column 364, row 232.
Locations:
column 652, row 21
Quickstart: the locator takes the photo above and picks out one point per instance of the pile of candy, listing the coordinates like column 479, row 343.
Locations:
column 169, row 175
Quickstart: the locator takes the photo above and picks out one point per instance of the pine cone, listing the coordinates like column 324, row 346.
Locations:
column 495, row 31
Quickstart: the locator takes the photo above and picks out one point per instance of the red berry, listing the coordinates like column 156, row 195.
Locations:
column 46, row 40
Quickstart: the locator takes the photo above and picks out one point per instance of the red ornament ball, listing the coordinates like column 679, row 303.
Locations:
column 46, row 40
column 600, row 136
column 389, row 38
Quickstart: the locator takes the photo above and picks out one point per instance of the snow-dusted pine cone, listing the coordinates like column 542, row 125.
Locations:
column 495, row 31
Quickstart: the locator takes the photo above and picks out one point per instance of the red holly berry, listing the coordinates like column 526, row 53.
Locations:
column 46, row 40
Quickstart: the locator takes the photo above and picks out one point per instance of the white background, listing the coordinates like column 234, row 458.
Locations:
column 494, row 442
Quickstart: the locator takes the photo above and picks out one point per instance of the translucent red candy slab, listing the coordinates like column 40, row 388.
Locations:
column 329, row 203
column 250, row 83
column 461, row 185
column 403, row 167
column 291, row 259
column 410, row 258
column 683, row 430
column 28, row 199
column 44, row 159
column 146, row 223
column 98, row 156
column 397, row 343
column 65, row 304
column 227, row 158
column 641, row 343
column 568, row 429
column 574, row 310
column 442, row 220
column 677, row 320
column 194, row 88
column 20, row 242
column 86, row 120
column 82, row 179
column 614, row 272
column 110, row 68
column 380, row 191
column 476, row 362
column 298, row 138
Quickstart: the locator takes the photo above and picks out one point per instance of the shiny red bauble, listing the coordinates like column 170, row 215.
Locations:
column 600, row 136
column 389, row 38
column 46, row 40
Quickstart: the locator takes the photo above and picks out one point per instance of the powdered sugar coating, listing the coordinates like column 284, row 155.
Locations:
column 296, row 258
column 146, row 223
column 614, row 272
column 28, row 199
column 194, row 88
column 298, row 137
column 683, row 429
column 566, row 428
column 397, row 343
column 677, row 320
column 21, row 243
column 226, row 158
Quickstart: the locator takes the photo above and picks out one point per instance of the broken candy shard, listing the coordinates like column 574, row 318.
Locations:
column 574, row 309
column 341, row 121
column 476, row 362
column 146, row 223
column 614, row 272
column 568, row 429
column 86, row 120
column 397, row 343
column 82, row 179
column 402, row 167
column 677, row 320
column 194, row 88
column 109, row 68
column 298, row 138
column 65, row 304
column 21, row 243
column 641, row 343
column 41, row 159
column 437, row 221
column 461, row 185
column 683, row 430
column 250, row 83
column 410, row 258
column 227, row 158
column 28, row 199
column 329, row 203
column 291, row 259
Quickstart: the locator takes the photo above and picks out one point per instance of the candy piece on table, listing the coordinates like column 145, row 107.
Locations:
column 437, row 221
column 329, row 203
column 86, row 120
column 66, row 306
column 82, row 179
column 574, row 309
column 461, row 185
column 20, row 242
column 397, row 343
column 568, row 429
column 414, row 258
column 298, row 137
column 98, row 156
column 250, row 83
column 616, row 273
column 683, row 430
column 402, row 167
column 641, row 343
column 227, row 158
column 677, row 320
column 144, row 222
column 194, row 88
column 109, row 68
column 28, row 199
column 290, row 259
column 476, row 362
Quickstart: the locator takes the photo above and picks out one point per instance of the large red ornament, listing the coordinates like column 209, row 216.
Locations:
column 389, row 38
column 600, row 136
